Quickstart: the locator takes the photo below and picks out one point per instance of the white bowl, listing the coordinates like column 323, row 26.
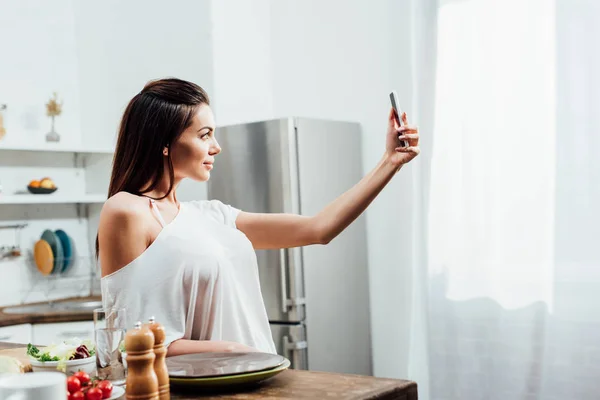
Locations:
column 45, row 385
column 83, row 364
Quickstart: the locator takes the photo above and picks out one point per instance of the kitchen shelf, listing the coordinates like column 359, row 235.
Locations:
column 52, row 199
column 56, row 148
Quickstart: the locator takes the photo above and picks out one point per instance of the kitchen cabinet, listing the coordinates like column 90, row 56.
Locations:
column 16, row 333
column 45, row 334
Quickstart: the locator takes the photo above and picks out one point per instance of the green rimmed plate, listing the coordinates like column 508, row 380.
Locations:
column 229, row 380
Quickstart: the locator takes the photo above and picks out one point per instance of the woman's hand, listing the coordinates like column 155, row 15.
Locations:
column 395, row 153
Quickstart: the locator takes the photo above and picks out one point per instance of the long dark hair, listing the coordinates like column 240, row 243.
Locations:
column 154, row 119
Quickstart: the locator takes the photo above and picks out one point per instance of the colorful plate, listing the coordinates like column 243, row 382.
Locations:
column 66, row 243
column 229, row 380
column 57, row 250
column 44, row 258
column 204, row 365
column 71, row 261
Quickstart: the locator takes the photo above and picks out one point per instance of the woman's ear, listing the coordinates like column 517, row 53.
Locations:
column 166, row 150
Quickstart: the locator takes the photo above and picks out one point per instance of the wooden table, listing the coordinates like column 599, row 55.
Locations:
column 297, row 384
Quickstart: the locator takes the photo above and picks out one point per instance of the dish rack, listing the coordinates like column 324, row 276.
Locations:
column 84, row 275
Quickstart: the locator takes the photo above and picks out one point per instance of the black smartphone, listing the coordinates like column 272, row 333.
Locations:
column 397, row 113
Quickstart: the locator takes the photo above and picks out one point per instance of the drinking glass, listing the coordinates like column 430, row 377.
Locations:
column 109, row 333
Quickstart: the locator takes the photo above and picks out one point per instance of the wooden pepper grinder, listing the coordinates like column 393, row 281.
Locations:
column 142, row 383
column 160, row 365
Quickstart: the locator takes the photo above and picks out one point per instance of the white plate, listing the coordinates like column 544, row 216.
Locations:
column 117, row 392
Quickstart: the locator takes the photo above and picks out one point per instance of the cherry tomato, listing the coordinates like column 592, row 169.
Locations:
column 73, row 384
column 93, row 394
column 106, row 387
column 83, row 377
column 77, row 396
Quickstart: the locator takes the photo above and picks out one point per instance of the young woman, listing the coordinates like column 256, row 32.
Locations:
column 192, row 265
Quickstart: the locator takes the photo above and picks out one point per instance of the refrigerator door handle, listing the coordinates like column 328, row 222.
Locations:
column 293, row 346
column 291, row 349
column 283, row 267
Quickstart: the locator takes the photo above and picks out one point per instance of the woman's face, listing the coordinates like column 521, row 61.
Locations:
column 193, row 153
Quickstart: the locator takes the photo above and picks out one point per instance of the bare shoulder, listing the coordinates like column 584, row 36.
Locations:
column 122, row 230
column 125, row 212
column 124, row 206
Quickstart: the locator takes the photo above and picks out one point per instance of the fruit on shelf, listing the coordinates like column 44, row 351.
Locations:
column 47, row 183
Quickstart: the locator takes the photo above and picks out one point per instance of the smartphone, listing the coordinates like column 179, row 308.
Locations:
column 397, row 113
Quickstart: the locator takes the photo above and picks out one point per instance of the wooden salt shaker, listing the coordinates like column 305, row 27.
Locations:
column 160, row 365
column 142, row 383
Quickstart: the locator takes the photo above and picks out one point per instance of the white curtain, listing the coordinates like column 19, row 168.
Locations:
column 506, row 288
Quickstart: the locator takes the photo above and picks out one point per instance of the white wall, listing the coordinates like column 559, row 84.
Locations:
column 242, row 85
column 38, row 58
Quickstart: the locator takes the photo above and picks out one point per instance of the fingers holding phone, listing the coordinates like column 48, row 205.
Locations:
column 399, row 116
column 403, row 138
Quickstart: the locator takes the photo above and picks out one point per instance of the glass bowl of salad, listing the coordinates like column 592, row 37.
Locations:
column 70, row 356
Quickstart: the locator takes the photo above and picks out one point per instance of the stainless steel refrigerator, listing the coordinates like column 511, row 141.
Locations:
column 317, row 296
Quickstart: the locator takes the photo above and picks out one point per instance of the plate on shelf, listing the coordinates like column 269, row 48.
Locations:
column 44, row 258
column 229, row 380
column 67, row 246
column 57, row 250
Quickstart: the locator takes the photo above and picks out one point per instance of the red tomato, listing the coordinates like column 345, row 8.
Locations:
column 106, row 387
column 93, row 394
column 73, row 384
column 76, row 396
column 83, row 377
